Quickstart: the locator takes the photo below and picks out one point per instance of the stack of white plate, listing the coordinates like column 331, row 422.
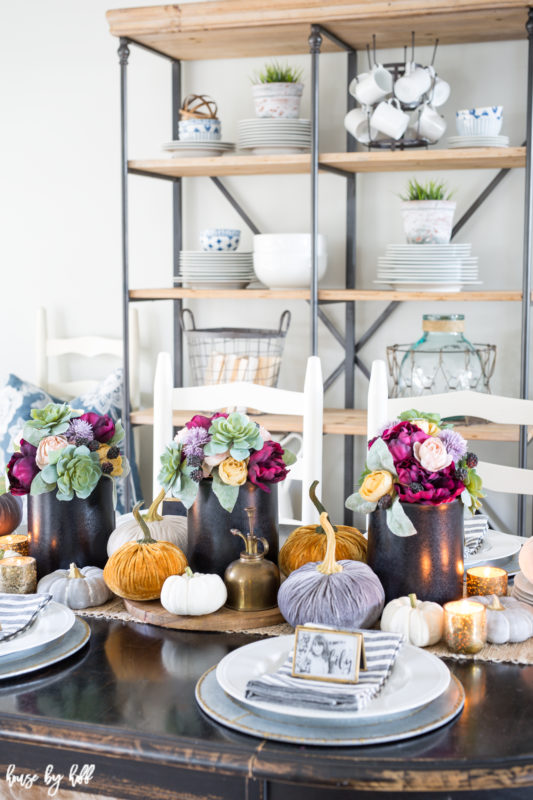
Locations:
column 428, row 267
column 478, row 141
column 272, row 136
column 523, row 589
column 192, row 149
column 213, row 270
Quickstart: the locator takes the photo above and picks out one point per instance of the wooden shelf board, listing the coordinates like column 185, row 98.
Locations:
column 344, row 422
column 342, row 295
column 241, row 28
column 376, row 161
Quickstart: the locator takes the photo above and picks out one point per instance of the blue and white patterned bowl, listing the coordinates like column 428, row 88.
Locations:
column 220, row 240
column 483, row 121
column 199, row 129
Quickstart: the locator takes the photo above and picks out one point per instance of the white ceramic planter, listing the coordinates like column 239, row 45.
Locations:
column 277, row 99
column 428, row 221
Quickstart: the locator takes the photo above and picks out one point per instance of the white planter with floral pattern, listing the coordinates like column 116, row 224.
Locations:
column 277, row 99
column 428, row 221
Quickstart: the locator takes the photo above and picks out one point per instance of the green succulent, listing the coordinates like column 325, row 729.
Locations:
column 75, row 471
column 51, row 420
column 277, row 73
column 175, row 475
column 236, row 433
column 473, row 493
column 432, row 190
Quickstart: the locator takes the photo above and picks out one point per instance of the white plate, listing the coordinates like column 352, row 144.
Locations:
column 191, row 144
column 524, row 586
column 52, row 622
column 275, row 151
column 214, row 285
column 417, row 678
column 496, row 546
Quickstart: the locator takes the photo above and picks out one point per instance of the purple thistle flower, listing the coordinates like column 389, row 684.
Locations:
column 79, row 429
column 193, row 443
column 454, row 443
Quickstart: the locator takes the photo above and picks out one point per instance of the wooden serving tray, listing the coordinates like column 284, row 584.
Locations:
column 225, row 619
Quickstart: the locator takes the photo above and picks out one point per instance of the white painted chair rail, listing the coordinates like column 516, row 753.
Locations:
column 307, row 404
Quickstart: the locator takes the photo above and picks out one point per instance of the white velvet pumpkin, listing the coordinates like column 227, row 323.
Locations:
column 420, row 622
column 76, row 588
column 170, row 528
column 193, row 593
column 508, row 620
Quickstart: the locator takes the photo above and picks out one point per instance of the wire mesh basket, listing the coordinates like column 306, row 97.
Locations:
column 224, row 355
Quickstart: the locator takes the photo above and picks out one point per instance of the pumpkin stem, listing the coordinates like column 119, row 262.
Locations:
column 144, row 527
column 496, row 604
column 329, row 566
column 152, row 515
column 189, row 573
column 74, row 572
column 318, row 505
column 412, row 598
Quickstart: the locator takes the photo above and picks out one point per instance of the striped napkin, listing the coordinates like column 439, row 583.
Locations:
column 280, row 687
column 17, row 612
column 475, row 529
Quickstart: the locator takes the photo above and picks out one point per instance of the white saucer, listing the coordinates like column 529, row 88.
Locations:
column 496, row 546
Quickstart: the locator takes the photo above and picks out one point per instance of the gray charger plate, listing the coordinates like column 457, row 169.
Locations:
column 22, row 663
column 223, row 709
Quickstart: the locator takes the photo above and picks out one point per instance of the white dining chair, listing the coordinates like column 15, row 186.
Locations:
column 307, row 404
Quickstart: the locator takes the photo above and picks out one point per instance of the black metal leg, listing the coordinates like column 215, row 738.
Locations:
column 315, row 42
column 124, row 54
column 526, row 282
column 177, row 237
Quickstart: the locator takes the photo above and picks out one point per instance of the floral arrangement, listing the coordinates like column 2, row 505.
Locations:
column 416, row 459
column 66, row 449
column 228, row 449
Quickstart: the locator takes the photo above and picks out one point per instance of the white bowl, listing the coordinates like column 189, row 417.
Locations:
column 294, row 243
column 189, row 129
column 481, row 121
column 287, row 270
column 220, row 239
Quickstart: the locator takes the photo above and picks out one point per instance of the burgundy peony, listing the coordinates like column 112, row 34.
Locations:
column 267, row 465
column 199, row 421
column 400, row 440
column 102, row 425
column 22, row 469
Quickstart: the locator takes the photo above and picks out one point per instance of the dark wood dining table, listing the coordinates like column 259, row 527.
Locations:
column 125, row 705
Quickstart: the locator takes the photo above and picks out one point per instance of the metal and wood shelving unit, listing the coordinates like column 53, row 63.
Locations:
column 249, row 28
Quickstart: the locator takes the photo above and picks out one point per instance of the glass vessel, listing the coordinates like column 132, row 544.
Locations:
column 443, row 360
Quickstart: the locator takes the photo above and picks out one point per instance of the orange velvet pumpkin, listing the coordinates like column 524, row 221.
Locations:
column 308, row 543
column 138, row 570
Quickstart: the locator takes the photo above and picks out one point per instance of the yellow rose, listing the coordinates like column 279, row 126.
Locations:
column 376, row 485
column 428, row 427
column 233, row 472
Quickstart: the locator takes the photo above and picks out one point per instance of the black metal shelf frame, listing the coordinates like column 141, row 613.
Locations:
column 347, row 340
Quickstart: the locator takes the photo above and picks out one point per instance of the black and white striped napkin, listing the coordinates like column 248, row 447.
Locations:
column 280, row 687
column 475, row 529
column 17, row 612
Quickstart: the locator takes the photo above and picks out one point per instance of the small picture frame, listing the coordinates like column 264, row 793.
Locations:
column 324, row 654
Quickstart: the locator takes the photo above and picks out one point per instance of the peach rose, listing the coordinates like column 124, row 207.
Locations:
column 46, row 446
column 432, row 454
column 376, row 485
column 218, row 458
column 266, row 436
column 233, row 472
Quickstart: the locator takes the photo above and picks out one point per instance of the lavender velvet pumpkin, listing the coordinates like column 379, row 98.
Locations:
column 344, row 594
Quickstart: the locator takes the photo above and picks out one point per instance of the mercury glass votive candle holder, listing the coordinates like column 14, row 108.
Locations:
column 18, row 575
column 486, row 580
column 18, row 542
column 465, row 626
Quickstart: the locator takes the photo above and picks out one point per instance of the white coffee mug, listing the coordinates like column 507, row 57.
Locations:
column 413, row 84
column 430, row 123
column 371, row 87
column 439, row 92
column 389, row 118
column 357, row 122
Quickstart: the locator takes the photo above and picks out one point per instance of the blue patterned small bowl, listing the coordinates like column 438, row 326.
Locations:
column 199, row 129
column 482, row 121
column 221, row 240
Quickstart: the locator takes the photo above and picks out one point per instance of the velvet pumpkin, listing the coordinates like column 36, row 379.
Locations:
column 345, row 594
column 10, row 513
column 138, row 570
column 308, row 542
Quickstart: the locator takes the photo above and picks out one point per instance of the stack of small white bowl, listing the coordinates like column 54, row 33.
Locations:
column 479, row 127
column 283, row 260
column 198, row 137
column 273, row 136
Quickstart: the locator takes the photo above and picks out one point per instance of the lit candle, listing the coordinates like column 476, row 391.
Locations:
column 465, row 626
column 18, row 542
column 486, row 580
column 18, row 575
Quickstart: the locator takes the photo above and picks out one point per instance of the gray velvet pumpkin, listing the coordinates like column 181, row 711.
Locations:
column 343, row 594
column 76, row 588
column 508, row 620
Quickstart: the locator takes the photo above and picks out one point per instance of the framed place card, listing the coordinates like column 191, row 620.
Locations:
column 325, row 654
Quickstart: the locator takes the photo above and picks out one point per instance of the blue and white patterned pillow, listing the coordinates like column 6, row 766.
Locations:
column 18, row 397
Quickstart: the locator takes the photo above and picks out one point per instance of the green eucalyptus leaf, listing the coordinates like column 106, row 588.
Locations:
column 119, row 434
column 39, row 485
column 398, row 521
column 288, row 458
column 357, row 503
column 379, row 457
column 226, row 495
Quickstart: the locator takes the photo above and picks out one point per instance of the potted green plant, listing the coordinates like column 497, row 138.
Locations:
column 427, row 212
column 277, row 91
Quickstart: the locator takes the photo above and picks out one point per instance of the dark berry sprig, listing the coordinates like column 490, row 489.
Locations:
column 107, row 467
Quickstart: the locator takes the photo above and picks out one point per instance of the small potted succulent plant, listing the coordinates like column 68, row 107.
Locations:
column 427, row 211
column 277, row 91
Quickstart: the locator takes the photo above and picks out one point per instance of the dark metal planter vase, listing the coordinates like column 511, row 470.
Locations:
column 211, row 546
column 62, row 532
column 429, row 563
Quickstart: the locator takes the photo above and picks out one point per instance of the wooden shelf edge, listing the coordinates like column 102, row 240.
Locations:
column 327, row 295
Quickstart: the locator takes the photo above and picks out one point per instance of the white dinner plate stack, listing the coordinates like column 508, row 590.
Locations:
column 213, row 270
column 273, row 136
column 523, row 589
column 428, row 267
column 456, row 142
column 193, row 149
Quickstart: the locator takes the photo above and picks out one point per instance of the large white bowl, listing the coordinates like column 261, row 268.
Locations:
column 294, row 243
column 287, row 270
